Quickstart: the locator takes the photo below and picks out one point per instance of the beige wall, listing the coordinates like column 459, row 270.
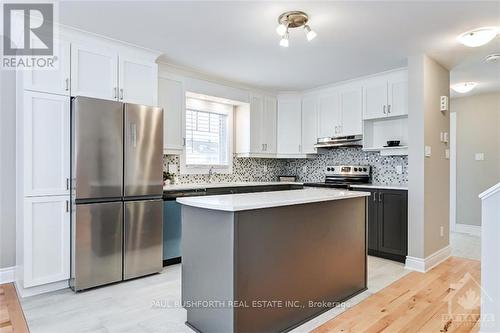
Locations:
column 478, row 131
column 428, row 183
column 7, row 170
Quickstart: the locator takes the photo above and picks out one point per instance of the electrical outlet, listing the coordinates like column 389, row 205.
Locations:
column 399, row 169
column 428, row 151
column 479, row 157
column 441, row 231
column 304, row 169
column 447, row 154
column 172, row 168
column 265, row 168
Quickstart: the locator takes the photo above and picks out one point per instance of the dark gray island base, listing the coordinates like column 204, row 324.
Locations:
column 270, row 269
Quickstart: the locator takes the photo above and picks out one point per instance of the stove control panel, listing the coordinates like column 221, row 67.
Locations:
column 348, row 170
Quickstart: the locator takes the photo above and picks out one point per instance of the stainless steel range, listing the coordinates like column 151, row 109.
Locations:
column 343, row 176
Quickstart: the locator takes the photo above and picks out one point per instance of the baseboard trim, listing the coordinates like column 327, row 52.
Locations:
column 468, row 229
column 424, row 265
column 37, row 290
column 7, row 274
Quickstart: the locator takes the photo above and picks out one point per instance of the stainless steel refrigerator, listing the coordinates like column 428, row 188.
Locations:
column 116, row 188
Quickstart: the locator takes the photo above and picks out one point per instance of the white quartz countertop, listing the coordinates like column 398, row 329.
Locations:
column 248, row 201
column 383, row 186
column 182, row 187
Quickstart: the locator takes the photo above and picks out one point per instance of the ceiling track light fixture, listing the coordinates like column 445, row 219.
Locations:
column 290, row 20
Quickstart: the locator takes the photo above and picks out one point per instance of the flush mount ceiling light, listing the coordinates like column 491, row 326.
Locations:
column 493, row 58
column 464, row 87
column 478, row 37
column 290, row 20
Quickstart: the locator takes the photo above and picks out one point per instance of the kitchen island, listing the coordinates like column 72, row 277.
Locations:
column 267, row 262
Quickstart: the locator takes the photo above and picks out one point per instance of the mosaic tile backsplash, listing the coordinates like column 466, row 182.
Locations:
column 254, row 169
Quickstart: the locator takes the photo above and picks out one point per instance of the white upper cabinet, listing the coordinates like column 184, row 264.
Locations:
column 375, row 98
column 94, row 71
column 329, row 116
column 172, row 98
column 46, row 144
column 46, row 235
column 269, row 125
column 309, row 124
column 397, row 94
column 256, row 127
column 138, row 81
column 54, row 81
column 351, row 109
column 289, row 125
column 386, row 95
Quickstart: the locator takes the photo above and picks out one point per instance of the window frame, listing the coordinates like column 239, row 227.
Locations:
column 189, row 169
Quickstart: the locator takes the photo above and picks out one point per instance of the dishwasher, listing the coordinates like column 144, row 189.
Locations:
column 172, row 224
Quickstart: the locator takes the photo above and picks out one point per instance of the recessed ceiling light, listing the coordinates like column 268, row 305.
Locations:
column 464, row 87
column 478, row 37
column 493, row 58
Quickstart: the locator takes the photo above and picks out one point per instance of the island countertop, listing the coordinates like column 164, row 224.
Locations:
column 248, row 201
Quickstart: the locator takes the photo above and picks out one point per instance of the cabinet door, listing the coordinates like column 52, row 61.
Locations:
column 398, row 94
column 329, row 119
column 138, row 81
column 46, row 144
column 351, row 108
column 393, row 222
column 309, row 124
column 172, row 99
column 289, row 126
column 375, row 98
column 94, row 72
column 46, row 240
column 269, row 128
column 55, row 81
column 256, row 120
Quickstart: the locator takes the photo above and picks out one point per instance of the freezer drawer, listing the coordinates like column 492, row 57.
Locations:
column 97, row 244
column 97, row 152
column 143, row 163
column 143, row 248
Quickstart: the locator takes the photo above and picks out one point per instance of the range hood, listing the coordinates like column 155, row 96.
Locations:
column 339, row 141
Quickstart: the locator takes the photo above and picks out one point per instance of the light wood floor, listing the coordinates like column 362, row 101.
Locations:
column 445, row 299
column 11, row 314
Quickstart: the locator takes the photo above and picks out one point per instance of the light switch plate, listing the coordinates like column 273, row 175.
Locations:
column 479, row 157
column 446, row 137
column 304, row 169
column 444, row 103
column 447, row 154
column 428, row 151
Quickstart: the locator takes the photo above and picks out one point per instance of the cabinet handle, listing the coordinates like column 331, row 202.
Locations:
column 266, row 146
column 114, row 92
column 389, row 108
column 67, row 183
column 375, row 196
column 121, row 93
column 184, row 142
column 380, row 197
column 67, row 206
column 384, row 109
column 67, row 84
column 133, row 135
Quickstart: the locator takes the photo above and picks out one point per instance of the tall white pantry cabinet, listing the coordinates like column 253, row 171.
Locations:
column 86, row 66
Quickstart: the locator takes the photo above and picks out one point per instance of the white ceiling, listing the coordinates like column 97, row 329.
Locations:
column 237, row 40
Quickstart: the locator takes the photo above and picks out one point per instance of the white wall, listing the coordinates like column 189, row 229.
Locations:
column 428, row 181
column 478, row 131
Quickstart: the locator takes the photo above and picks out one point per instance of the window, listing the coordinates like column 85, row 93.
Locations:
column 208, row 136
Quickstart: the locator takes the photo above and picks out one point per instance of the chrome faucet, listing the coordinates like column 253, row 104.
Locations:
column 211, row 173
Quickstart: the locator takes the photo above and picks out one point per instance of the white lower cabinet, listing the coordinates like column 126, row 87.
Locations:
column 46, row 240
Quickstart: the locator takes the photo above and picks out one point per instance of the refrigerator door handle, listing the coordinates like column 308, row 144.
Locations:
column 133, row 134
